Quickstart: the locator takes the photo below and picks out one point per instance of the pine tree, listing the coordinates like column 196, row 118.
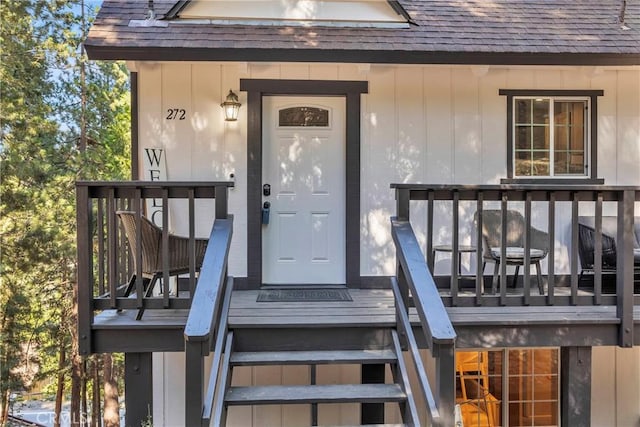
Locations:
column 57, row 126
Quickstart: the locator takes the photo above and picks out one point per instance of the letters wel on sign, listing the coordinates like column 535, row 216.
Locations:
column 155, row 169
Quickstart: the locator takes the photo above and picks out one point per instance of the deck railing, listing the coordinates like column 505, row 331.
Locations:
column 106, row 264
column 556, row 209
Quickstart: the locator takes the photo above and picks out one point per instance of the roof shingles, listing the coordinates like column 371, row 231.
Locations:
column 504, row 27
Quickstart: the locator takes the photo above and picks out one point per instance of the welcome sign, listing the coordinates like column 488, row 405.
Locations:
column 155, row 169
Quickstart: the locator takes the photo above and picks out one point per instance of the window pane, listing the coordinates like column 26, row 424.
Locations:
column 523, row 137
column 533, row 387
column 541, row 138
column 523, row 163
column 541, row 111
column 561, row 138
column 569, row 137
column 545, row 387
column 576, row 163
column 561, row 164
column 523, row 111
column 479, row 387
column 303, row 116
column 540, row 163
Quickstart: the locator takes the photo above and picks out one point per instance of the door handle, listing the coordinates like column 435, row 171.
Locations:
column 266, row 208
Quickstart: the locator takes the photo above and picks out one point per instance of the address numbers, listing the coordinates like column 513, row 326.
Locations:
column 176, row 114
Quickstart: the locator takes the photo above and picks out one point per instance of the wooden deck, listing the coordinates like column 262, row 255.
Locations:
column 370, row 310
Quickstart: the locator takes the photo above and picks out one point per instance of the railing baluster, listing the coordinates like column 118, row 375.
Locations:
column 597, row 256
column 455, row 260
column 479, row 251
column 551, row 278
column 192, row 245
column 122, row 248
column 526, row 285
column 101, row 250
column 574, row 247
column 138, row 251
column 503, row 249
column 430, row 255
column 112, row 259
column 165, row 248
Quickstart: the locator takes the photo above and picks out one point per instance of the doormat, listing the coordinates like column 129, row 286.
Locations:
column 295, row 295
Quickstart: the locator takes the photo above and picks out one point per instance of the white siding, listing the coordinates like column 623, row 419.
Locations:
column 423, row 124
column 615, row 386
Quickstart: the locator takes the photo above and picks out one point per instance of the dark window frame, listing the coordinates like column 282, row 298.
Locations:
column 592, row 176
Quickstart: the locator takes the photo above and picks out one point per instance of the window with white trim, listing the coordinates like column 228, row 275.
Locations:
column 551, row 134
column 511, row 387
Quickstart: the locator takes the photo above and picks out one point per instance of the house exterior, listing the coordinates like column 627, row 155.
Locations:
column 366, row 127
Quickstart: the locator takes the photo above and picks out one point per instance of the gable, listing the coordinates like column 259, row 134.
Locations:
column 293, row 12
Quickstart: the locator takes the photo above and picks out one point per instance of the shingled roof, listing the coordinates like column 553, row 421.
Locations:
column 576, row 32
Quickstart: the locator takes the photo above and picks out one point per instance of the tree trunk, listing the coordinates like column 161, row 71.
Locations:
column 76, row 363
column 111, row 406
column 62, row 361
column 95, row 401
column 76, row 389
column 83, row 394
column 4, row 410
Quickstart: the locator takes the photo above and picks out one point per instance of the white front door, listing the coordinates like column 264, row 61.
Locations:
column 304, row 154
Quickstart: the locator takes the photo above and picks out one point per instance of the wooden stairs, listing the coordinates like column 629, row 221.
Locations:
column 398, row 392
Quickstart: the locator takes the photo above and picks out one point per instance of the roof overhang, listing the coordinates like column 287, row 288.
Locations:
column 361, row 56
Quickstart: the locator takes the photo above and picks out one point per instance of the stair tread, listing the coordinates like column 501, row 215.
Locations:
column 333, row 393
column 312, row 357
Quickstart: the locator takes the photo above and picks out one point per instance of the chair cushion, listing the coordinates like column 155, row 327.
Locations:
column 517, row 253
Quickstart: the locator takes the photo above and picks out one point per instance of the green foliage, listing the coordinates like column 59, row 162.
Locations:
column 42, row 115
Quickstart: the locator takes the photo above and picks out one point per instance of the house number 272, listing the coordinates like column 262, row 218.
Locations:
column 176, row 114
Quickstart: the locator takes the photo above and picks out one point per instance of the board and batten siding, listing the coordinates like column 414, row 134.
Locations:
column 615, row 391
column 420, row 124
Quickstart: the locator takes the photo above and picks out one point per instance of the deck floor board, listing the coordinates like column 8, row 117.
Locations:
column 370, row 307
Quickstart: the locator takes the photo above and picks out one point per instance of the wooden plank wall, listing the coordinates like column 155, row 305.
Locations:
column 431, row 124
column 434, row 124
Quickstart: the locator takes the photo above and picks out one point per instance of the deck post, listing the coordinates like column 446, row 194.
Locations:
column 138, row 386
column 194, row 381
column 84, row 284
column 222, row 195
column 575, row 386
column 402, row 204
column 624, row 261
column 445, row 382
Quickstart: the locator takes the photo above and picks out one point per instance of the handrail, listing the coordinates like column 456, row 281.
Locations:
column 414, row 276
column 206, row 308
column 412, row 344
column 219, row 349
column 209, row 289
column 514, row 187
column 431, row 310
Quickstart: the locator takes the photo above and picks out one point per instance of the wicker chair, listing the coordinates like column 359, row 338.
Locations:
column 586, row 244
column 491, row 248
column 151, row 252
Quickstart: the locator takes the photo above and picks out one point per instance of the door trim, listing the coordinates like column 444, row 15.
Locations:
column 351, row 91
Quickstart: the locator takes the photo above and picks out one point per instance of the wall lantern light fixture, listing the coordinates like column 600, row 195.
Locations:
column 231, row 106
